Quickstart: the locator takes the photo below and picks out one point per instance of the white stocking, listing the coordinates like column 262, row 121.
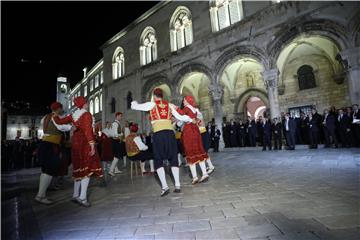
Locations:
column 142, row 166
column 211, row 166
column 151, row 165
column 76, row 193
column 44, row 183
column 114, row 164
column 175, row 172
column 84, row 186
column 193, row 170
column 179, row 159
column 124, row 159
column 203, row 168
column 161, row 174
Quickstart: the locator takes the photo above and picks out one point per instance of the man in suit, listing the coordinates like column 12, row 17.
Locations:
column 329, row 129
column 304, row 138
column 318, row 119
column 356, row 124
column 277, row 129
column 252, row 131
column 233, row 133
column 266, row 129
column 312, row 125
column 216, row 139
column 290, row 131
column 241, row 134
column 344, row 128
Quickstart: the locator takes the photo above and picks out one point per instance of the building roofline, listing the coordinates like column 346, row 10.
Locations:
column 140, row 19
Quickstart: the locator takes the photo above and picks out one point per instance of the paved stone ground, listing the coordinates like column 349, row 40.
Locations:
column 294, row 195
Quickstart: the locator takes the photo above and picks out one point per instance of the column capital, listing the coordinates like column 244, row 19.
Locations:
column 351, row 58
column 271, row 78
column 216, row 91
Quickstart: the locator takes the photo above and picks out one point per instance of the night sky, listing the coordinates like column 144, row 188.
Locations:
column 42, row 39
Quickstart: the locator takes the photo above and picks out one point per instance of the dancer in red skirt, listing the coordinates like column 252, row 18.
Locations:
column 85, row 159
column 192, row 142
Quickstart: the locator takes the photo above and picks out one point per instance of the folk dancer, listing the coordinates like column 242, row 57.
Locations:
column 164, row 141
column 85, row 159
column 136, row 149
column 191, row 141
column 49, row 151
column 106, row 154
column 118, row 145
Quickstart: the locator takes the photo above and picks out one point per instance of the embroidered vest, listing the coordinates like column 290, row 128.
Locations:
column 160, row 116
column 51, row 133
column 131, row 147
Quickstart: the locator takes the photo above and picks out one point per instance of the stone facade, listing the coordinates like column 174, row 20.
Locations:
column 257, row 56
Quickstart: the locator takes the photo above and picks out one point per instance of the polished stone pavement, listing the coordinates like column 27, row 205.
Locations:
column 302, row 194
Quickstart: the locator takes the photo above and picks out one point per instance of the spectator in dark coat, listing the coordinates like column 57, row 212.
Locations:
column 277, row 129
column 356, row 124
column 290, row 131
column 313, row 131
column 344, row 128
column 266, row 129
column 216, row 139
column 233, row 134
column 241, row 135
column 329, row 129
column 252, row 132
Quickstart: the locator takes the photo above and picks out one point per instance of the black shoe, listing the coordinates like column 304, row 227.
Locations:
column 165, row 192
column 177, row 190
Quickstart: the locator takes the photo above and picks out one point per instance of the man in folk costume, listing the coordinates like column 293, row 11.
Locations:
column 164, row 142
column 49, row 151
column 136, row 149
column 85, row 159
column 191, row 140
column 118, row 145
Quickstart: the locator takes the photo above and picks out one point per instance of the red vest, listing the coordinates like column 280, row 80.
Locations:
column 161, row 111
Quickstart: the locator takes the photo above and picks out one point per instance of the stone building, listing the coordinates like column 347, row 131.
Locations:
column 237, row 58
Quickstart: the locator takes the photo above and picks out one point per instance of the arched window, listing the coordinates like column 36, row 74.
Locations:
column 113, row 105
column 306, row 77
column 224, row 13
column 96, row 110
column 101, row 96
column 118, row 63
column 181, row 32
column 85, row 91
column 91, row 107
column 101, row 77
column 148, row 46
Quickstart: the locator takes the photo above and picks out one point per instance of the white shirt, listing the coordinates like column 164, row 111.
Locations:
column 60, row 127
column 114, row 130
column 287, row 124
column 140, row 144
column 148, row 106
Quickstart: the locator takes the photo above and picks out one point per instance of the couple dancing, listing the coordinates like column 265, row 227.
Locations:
column 164, row 141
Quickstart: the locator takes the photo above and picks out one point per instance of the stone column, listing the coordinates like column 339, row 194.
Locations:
column 351, row 62
column 216, row 92
column 271, row 82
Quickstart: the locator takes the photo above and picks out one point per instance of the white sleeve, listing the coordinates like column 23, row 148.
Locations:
column 140, row 144
column 142, row 107
column 113, row 130
column 183, row 118
column 62, row 127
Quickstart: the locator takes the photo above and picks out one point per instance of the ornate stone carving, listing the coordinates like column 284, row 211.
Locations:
column 270, row 78
column 216, row 91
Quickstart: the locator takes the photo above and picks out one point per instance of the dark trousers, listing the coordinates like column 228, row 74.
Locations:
column 277, row 141
column 290, row 139
column 330, row 137
column 241, row 140
column 314, row 138
column 266, row 141
column 356, row 135
column 252, row 139
column 216, row 145
column 345, row 137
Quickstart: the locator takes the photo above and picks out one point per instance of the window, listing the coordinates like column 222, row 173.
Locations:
column 96, row 104
column 224, row 13
column 101, row 77
column 181, row 32
column 91, row 107
column 129, row 99
column 118, row 63
column 96, row 81
column 85, row 90
column 91, row 85
column 113, row 105
column 101, row 102
column 306, row 77
column 148, row 46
